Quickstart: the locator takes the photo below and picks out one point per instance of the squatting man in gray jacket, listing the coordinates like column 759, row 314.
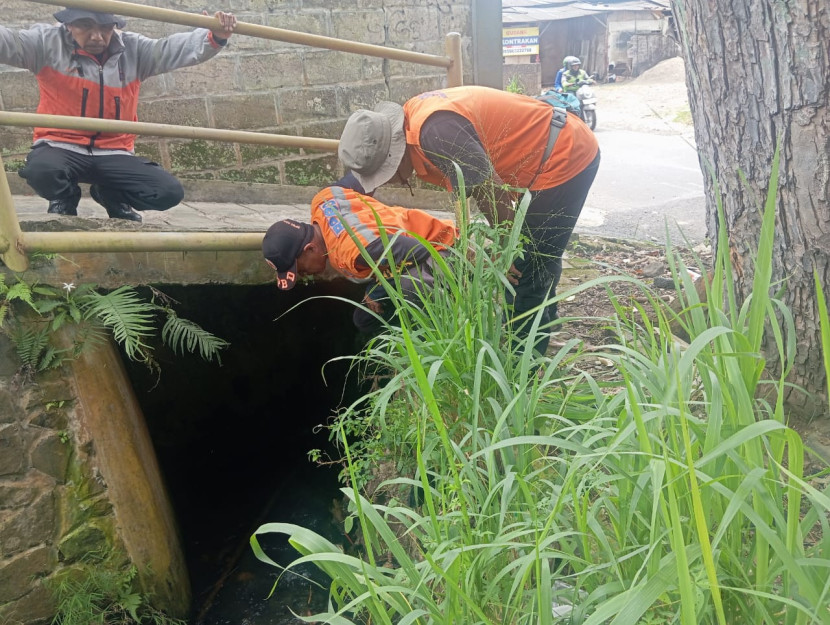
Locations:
column 87, row 66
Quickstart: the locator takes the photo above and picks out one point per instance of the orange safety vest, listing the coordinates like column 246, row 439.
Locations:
column 335, row 208
column 513, row 130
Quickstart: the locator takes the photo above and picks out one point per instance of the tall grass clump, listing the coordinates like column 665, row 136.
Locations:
column 531, row 493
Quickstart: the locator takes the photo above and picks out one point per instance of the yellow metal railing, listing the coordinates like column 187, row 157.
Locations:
column 15, row 244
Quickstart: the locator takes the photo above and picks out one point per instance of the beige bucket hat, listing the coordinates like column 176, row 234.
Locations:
column 373, row 144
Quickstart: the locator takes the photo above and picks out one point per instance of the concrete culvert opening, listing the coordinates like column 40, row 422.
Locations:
column 232, row 440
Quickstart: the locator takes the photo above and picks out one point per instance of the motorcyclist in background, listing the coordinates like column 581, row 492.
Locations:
column 557, row 82
column 574, row 76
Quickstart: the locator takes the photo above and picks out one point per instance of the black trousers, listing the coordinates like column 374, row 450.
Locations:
column 54, row 174
column 413, row 280
column 550, row 220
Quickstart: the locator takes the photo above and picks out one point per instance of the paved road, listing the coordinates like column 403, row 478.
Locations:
column 645, row 181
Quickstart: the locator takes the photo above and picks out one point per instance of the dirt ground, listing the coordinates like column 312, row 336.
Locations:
column 655, row 102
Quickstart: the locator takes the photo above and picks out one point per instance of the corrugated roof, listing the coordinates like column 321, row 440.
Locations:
column 528, row 11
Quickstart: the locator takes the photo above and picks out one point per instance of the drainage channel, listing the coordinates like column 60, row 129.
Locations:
column 232, row 440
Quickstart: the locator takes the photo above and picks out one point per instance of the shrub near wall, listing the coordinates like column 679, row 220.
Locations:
column 264, row 85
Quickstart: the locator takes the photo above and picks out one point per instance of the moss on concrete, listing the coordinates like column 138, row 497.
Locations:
column 201, row 155
column 11, row 150
column 256, row 153
column 14, row 164
column 148, row 150
column 267, row 175
column 88, row 543
column 312, row 172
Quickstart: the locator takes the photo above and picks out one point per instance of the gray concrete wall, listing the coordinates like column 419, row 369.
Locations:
column 526, row 76
column 267, row 85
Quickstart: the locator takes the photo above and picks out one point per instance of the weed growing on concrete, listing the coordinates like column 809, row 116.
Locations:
column 515, row 85
column 32, row 315
column 95, row 595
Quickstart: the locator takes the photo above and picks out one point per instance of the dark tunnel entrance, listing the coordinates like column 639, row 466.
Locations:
column 232, row 440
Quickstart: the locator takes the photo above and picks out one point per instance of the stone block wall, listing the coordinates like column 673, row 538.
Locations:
column 264, row 85
column 81, row 494
column 54, row 509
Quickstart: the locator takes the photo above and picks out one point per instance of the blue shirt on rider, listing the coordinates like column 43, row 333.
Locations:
column 557, row 82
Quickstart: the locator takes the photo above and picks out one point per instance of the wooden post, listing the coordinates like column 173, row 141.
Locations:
column 455, row 72
column 10, row 234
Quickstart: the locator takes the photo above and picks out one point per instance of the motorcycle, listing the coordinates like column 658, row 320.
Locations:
column 583, row 102
column 587, row 104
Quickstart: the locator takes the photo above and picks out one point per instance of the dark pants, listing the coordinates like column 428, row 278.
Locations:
column 550, row 220
column 54, row 174
column 413, row 279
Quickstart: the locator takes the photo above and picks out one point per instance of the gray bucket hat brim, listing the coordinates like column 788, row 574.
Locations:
column 67, row 16
column 373, row 144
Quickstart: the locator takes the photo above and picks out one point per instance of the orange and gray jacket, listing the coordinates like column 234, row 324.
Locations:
column 73, row 82
column 338, row 210
column 513, row 129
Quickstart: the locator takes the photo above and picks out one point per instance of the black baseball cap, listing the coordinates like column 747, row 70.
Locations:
column 67, row 16
column 283, row 243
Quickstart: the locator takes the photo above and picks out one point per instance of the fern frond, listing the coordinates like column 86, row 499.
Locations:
column 21, row 291
column 50, row 358
column 59, row 321
column 185, row 335
column 4, row 309
column 126, row 315
column 30, row 342
column 88, row 336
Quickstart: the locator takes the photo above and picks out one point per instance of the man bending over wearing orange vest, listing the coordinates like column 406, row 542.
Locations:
column 295, row 249
column 502, row 142
column 87, row 67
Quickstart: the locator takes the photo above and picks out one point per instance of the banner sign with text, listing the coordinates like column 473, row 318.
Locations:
column 521, row 40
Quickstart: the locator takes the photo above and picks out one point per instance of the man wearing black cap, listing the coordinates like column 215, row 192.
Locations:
column 87, row 67
column 343, row 222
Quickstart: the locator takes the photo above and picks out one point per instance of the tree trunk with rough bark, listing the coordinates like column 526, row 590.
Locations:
column 757, row 73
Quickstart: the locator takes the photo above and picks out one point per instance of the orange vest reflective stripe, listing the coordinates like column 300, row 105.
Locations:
column 513, row 130
column 337, row 210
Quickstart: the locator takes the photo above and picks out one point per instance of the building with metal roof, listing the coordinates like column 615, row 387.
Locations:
column 617, row 38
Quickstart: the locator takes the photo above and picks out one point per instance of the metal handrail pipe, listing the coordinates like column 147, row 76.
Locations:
column 66, row 242
column 94, row 124
column 254, row 30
